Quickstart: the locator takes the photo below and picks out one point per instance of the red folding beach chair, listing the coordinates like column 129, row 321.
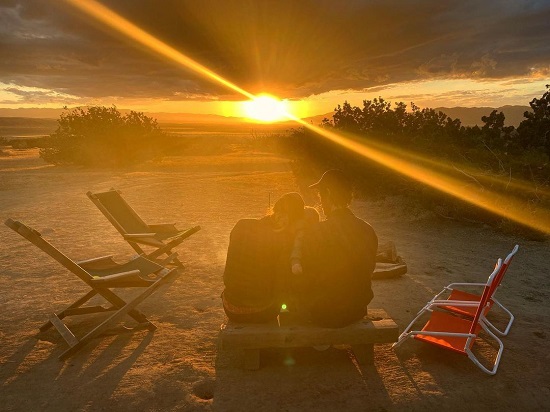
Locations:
column 466, row 303
column 458, row 334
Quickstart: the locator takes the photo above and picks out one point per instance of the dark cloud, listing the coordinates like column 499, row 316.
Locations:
column 291, row 48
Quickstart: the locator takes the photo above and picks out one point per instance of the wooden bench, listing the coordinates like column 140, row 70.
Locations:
column 377, row 327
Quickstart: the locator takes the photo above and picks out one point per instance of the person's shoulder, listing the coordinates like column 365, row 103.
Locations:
column 246, row 224
column 369, row 230
column 366, row 225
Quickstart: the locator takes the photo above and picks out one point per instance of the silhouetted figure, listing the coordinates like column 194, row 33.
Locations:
column 257, row 265
column 339, row 257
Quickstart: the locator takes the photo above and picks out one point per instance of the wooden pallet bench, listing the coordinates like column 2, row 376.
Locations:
column 377, row 327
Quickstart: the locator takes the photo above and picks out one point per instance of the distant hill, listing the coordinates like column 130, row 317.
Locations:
column 31, row 113
column 470, row 116
column 15, row 127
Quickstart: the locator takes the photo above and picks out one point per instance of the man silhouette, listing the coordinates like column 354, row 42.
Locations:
column 339, row 257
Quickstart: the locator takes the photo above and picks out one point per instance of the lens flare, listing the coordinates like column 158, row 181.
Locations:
column 128, row 29
column 429, row 172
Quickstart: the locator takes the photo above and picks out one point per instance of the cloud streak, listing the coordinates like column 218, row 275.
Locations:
column 291, row 48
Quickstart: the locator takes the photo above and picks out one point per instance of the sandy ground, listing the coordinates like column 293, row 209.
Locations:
column 180, row 366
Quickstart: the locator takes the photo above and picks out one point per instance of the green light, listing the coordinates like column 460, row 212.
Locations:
column 283, row 306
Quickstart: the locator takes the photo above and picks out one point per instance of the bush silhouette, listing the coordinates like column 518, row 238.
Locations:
column 102, row 136
column 491, row 157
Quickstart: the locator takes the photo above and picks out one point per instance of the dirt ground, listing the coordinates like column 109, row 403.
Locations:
column 180, row 365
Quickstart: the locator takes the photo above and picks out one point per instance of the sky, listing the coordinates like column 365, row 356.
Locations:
column 314, row 54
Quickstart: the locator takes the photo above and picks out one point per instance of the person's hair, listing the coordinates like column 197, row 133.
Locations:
column 290, row 204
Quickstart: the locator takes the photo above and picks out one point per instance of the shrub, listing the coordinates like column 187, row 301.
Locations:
column 101, row 136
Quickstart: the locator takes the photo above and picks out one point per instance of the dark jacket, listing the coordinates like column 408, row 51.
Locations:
column 256, row 259
column 339, row 258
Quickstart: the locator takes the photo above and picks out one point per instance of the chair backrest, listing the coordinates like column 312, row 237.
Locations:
column 503, row 269
column 118, row 212
column 36, row 239
column 488, row 291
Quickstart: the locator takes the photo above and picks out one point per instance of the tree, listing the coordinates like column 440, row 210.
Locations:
column 495, row 134
column 534, row 131
column 102, row 136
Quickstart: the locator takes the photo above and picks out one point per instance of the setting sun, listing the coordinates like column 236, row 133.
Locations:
column 266, row 108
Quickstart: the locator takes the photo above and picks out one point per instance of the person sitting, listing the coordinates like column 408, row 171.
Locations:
column 339, row 257
column 257, row 262
column 311, row 217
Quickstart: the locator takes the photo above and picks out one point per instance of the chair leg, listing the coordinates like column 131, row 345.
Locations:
column 116, row 317
column 498, row 356
column 119, row 303
column 508, row 326
column 406, row 332
column 76, row 304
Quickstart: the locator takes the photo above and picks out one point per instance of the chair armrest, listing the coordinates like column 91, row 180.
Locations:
column 444, row 302
column 163, row 228
column 101, row 259
column 138, row 235
column 117, row 276
column 449, row 334
column 452, row 285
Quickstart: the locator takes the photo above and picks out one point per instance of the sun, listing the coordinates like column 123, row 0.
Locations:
column 266, row 108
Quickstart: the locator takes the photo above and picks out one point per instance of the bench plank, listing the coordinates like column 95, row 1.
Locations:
column 378, row 327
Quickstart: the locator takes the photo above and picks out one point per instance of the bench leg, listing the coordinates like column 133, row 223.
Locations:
column 252, row 359
column 364, row 353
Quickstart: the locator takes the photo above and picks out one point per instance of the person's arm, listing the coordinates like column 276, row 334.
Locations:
column 296, row 253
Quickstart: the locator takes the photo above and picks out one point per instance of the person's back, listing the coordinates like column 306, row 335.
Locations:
column 339, row 257
column 257, row 262
column 252, row 262
column 341, row 254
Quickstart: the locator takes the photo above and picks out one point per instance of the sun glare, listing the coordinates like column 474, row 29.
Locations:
column 266, row 108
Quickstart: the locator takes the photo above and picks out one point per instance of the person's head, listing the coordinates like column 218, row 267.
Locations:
column 334, row 189
column 287, row 210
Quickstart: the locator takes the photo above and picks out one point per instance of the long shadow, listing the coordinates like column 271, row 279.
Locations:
column 298, row 379
column 9, row 367
column 88, row 379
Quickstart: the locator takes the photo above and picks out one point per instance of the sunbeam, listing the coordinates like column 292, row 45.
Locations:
column 507, row 207
column 125, row 27
column 492, row 201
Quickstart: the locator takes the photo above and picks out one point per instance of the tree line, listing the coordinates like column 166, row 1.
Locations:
column 491, row 156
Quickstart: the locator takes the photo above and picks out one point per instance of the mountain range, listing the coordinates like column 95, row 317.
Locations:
column 470, row 116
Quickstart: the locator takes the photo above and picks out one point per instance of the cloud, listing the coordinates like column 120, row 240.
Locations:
column 290, row 48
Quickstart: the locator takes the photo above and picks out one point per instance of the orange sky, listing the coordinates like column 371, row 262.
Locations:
column 313, row 54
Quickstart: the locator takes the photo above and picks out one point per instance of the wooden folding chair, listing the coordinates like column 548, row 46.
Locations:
column 455, row 333
column 162, row 237
column 101, row 275
column 465, row 303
